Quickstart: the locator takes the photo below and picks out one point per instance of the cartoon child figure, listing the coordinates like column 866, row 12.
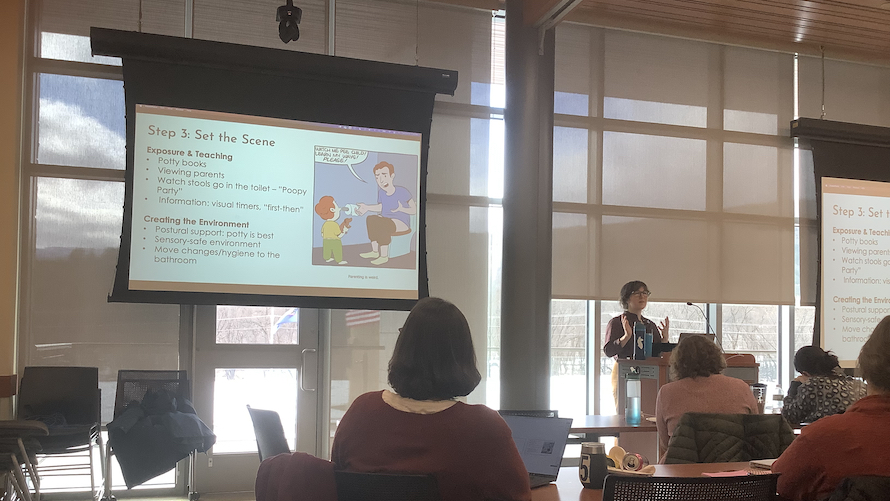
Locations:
column 331, row 232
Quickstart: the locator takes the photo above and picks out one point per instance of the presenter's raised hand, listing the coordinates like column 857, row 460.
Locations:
column 628, row 332
column 665, row 326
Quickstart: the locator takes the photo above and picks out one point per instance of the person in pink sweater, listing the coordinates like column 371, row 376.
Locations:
column 698, row 386
column 855, row 443
column 421, row 429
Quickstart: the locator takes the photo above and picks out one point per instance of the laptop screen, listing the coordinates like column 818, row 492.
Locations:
column 541, row 441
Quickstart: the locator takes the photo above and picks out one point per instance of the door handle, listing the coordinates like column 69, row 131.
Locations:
column 303, row 367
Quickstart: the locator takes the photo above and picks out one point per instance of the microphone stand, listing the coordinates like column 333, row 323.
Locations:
column 710, row 330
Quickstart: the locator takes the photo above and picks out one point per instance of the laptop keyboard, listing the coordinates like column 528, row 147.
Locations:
column 537, row 479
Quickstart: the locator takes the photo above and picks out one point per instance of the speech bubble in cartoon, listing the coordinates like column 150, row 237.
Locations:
column 346, row 156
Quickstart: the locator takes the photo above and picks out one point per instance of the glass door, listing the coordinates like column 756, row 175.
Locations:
column 264, row 357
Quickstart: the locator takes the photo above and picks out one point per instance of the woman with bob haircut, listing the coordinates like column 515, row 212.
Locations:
column 852, row 444
column 822, row 389
column 634, row 297
column 698, row 386
column 420, row 427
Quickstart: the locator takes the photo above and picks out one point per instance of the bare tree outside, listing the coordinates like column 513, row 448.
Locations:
column 257, row 325
column 753, row 329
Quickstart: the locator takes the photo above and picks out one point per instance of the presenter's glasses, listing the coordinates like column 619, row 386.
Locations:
column 641, row 293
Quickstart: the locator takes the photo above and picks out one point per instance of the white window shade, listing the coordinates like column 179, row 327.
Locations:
column 576, row 78
column 656, row 79
column 163, row 17
column 757, row 89
column 253, row 23
column 691, row 190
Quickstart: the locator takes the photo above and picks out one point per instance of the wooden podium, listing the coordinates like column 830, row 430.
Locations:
column 655, row 372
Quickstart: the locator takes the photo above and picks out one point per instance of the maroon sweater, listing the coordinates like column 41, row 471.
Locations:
column 854, row 443
column 469, row 448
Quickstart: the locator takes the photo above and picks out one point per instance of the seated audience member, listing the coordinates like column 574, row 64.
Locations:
column 698, row 386
column 822, row 389
column 421, row 428
column 855, row 443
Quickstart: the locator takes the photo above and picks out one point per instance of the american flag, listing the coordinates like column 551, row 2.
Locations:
column 359, row 317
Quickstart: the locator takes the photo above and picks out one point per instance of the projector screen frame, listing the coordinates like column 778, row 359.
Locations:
column 221, row 64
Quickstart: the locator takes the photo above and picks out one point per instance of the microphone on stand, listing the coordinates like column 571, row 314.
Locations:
column 703, row 316
column 711, row 331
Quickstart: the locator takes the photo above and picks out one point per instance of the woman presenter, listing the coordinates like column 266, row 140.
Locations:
column 619, row 331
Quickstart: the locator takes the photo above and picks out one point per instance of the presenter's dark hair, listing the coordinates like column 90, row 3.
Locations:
column 628, row 289
column 696, row 356
column 815, row 361
column 874, row 357
column 434, row 357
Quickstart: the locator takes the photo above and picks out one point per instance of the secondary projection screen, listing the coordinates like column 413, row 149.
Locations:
column 855, row 263
column 229, row 203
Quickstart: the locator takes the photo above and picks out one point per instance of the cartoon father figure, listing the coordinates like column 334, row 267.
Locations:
column 395, row 205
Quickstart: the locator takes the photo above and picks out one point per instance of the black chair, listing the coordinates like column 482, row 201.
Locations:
column 747, row 488
column 132, row 385
column 67, row 400
column 353, row 486
column 529, row 413
column 270, row 439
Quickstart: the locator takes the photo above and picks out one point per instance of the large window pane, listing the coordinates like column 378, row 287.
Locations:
column 235, row 389
column 570, row 154
column 754, row 329
column 568, row 357
column 654, row 171
column 69, row 320
column 81, row 122
column 656, row 79
column 257, row 325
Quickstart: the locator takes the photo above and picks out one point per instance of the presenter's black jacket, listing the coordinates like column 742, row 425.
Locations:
column 614, row 331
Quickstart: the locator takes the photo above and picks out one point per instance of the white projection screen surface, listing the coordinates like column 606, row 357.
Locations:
column 228, row 203
column 855, row 263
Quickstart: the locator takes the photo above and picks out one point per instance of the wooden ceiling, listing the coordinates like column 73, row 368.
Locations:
column 846, row 29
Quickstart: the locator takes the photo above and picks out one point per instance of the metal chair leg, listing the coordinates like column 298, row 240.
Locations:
column 21, row 485
column 32, row 471
column 193, row 491
column 106, row 494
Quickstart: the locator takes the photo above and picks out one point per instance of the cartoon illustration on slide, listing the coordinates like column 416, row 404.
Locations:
column 395, row 206
column 331, row 231
column 376, row 192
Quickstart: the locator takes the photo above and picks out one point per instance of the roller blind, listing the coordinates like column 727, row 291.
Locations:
column 686, row 182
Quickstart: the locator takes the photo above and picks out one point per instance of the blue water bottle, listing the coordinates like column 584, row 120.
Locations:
column 639, row 340
column 647, row 344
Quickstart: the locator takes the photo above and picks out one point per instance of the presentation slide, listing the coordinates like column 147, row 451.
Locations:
column 254, row 205
column 855, row 263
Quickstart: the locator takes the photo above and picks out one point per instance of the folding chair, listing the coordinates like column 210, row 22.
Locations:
column 67, row 400
column 132, row 385
column 18, row 446
column 270, row 439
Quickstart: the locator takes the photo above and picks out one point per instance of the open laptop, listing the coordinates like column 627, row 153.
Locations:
column 541, row 442
column 709, row 335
